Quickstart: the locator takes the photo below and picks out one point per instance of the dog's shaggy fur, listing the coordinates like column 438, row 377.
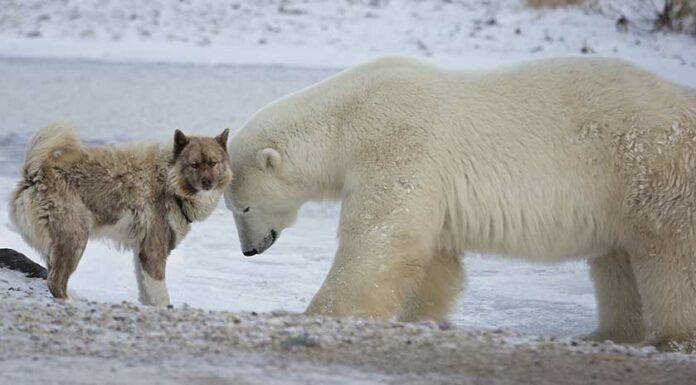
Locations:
column 141, row 196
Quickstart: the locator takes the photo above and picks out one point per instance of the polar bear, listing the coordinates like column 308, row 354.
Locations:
column 551, row 160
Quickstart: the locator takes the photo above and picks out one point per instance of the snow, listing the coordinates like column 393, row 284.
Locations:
column 334, row 34
column 248, row 369
column 131, row 70
column 86, row 342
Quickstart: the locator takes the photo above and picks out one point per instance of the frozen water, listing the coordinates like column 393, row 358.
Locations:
column 112, row 103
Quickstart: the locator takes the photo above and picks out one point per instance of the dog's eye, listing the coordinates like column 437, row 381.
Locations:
column 212, row 163
column 246, row 209
column 195, row 165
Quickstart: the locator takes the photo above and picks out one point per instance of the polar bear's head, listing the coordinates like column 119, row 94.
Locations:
column 264, row 196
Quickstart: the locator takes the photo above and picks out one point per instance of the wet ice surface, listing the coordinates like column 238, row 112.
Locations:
column 113, row 103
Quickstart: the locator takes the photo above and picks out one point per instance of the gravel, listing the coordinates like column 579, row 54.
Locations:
column 42, row 340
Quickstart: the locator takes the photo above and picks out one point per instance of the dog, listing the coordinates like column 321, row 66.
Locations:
column 141, row 196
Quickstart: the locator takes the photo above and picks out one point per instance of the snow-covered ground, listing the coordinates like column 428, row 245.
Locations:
column 125, row 70
column 88, row 342
column 336, row 34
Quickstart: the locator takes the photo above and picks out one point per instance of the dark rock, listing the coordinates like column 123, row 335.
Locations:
column 303, row 340
column 444, row 325
column 13, row 260
column 622, row 23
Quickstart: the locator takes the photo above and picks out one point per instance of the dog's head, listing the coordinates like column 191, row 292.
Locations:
column 201, row 164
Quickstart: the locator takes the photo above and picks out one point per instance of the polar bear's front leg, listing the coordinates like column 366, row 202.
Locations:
column 381, row 259
column 368, row 282
column 618, row 301
column 444, row 279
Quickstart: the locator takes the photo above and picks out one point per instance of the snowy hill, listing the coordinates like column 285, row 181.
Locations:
column 333, row 34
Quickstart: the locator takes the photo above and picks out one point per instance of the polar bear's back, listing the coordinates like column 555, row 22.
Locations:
column 557, row 148
column 546, row 158
column 577, row 106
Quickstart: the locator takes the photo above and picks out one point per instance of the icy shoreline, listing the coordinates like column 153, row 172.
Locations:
column 174, row 345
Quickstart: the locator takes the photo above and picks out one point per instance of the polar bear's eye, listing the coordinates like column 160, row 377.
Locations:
column 246, row 209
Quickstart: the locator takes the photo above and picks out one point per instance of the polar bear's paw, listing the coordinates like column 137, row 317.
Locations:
column 618, row 336
column 686, row 345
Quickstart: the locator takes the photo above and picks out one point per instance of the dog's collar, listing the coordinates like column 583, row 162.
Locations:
column 180, row 203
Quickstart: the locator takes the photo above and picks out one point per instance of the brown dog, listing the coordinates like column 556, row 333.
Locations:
column 140, row 196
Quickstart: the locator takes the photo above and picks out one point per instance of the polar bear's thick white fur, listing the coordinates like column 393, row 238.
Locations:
column 549, row 161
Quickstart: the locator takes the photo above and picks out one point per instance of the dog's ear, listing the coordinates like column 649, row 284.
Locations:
column 222, row 139
column 268, row 157
column 180, row 142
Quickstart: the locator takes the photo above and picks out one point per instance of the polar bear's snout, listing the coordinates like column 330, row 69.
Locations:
column 254, row 235
column 267, row 242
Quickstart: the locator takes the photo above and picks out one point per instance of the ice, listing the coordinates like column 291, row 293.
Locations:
column 112, row 103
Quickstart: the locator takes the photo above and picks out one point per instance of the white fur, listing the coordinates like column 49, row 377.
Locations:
column 208, row 198
column 548, row 161
column 50, row 143
column 34, row 235
column 268, row 157
column 120, row 233
column 151, row 291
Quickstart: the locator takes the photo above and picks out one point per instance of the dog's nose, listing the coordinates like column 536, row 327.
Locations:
column 206, row 183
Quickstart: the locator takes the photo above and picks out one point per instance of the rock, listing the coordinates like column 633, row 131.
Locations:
column 14, row 260
column 303, row 340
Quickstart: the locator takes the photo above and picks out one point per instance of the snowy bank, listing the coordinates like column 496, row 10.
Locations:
column 330, row 34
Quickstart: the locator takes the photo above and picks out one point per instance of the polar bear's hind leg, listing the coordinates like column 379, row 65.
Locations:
column 618, row 301
column 666, row 280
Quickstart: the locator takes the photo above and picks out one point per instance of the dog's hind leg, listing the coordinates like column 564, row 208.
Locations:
column 69, row 232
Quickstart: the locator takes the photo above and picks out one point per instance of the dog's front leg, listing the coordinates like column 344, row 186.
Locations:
column 150, row 265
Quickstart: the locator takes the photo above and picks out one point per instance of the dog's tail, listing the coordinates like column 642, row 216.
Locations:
column 53, row 145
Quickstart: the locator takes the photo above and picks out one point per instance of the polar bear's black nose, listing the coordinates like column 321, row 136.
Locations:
column 250, row 253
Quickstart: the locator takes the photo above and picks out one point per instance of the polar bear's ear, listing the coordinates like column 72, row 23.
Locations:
column 268, row 157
